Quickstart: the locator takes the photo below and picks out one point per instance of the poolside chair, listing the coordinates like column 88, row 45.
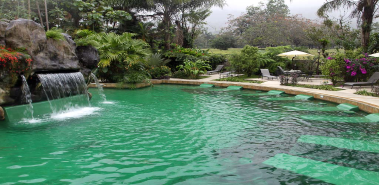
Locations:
column 282, row 72
column 217, row 70
column 266, row 73
column 373, row 79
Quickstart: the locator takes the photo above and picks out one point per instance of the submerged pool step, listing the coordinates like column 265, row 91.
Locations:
column 371, row 118
column 340, row 107
column 235, row 88
column 207, row 85
column 297, row 97
column 269, row 93
column 360, row 145
column 330, row 173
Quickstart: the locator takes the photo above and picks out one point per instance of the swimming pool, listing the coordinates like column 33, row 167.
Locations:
column 177, row 134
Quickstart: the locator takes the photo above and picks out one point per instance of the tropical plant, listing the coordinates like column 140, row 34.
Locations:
column 156, row 60
column 161, row 72
column 117, row 53
column 364, row 10
column 194, row 69
column 55, row 34
column 333, row 68
column 249, row 60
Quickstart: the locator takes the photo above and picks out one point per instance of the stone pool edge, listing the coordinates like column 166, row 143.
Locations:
column 333, row 96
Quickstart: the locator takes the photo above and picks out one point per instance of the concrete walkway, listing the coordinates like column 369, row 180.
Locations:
column 365, row 103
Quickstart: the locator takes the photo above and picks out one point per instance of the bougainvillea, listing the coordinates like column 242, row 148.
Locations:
column 357, row 68
column 14, row 61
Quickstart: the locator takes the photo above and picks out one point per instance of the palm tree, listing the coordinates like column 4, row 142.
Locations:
column 364, row 10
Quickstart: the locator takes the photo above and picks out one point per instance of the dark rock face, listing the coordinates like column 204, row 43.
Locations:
column 3, row 27
column 47, row 54
column 2, row 114
column 88, row 58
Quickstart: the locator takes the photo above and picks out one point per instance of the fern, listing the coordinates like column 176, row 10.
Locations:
column 55, row 34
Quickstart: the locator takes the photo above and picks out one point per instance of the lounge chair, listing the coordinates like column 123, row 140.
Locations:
column 266, row 73
column 217, row 70
column 373, row 79
column 282, row 72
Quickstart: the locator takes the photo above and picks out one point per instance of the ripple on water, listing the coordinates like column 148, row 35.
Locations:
column 166, row 135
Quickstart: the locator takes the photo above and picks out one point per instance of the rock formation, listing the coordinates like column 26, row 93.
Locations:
column 48, row 55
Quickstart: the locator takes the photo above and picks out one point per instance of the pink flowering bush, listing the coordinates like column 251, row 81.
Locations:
column 359, row 69
column 350, row 67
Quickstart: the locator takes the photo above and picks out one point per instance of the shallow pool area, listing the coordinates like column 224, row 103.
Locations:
column 178, row 134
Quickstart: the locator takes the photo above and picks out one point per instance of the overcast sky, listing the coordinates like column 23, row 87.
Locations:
column 219, row 16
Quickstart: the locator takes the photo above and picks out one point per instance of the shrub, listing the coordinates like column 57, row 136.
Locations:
column 55, row 34
column 249, row 60
column 161, row 72
column 118, row 54
column 193, row 70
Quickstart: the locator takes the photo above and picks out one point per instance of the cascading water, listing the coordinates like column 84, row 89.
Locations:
column 69, row 88
column 26, row 98
column 100, row 88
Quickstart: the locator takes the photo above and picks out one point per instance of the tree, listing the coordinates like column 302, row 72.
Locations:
column 363, row 9
column 47, row 17
column 224, row 41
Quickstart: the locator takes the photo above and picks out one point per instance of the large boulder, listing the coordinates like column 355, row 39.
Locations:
column 23, row 33
column 5, row 97
column 47, row 54
column 88, row 58
column 3, row 27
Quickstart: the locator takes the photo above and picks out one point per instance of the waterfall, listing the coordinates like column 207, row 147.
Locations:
column 70, row 88
column 26, row 97
column 99, row 87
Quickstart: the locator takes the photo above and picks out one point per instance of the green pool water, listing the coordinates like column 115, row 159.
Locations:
column 176, row 134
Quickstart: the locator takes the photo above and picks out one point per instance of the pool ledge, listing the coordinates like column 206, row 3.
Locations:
column 365, row 103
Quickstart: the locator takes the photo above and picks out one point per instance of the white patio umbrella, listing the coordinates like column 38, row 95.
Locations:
column 374, row 55
column 294, row 54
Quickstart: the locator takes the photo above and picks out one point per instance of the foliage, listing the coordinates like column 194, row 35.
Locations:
column 117, row 53
column 268, row 25
column 350, row 66
column 273, row 52
column 12, row 64
column 320, row 87
column 194, row 69
column 239, row 79
column 223, row 42
column 366, row 93
column 156, row 60
column 249, row 60
column 83, row 33
column 136, row 73
column 94, row 13
column 363, row 9
column 374, row 43
column 55, row 34
column 333, row 68
column 161, row 72
column 215, row 59
column 178, row 55
column 14, row 61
